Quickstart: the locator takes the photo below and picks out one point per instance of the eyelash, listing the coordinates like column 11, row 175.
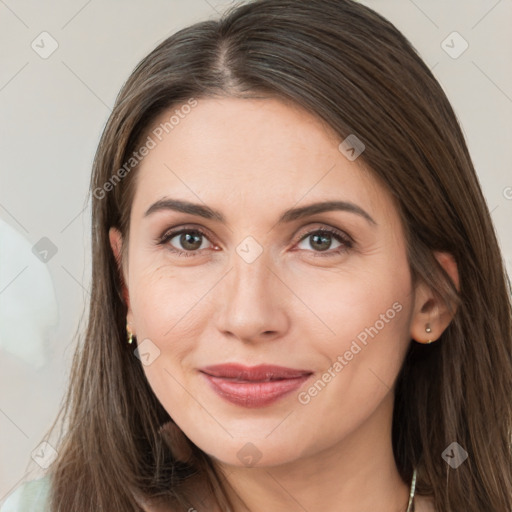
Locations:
column 344, row 239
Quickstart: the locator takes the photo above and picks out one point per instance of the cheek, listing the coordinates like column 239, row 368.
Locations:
column 168, row 326
column 165, row 300
column 369, row 314
column 363, row 302
column 168, row 306
column 364, row 353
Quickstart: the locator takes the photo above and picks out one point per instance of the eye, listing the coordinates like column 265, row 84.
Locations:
column 189, row 241
column 321, row 240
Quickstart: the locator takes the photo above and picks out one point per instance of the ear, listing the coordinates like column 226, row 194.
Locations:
column 429, row 310
column 116, row 243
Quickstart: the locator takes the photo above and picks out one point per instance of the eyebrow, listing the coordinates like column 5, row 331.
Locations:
column 287, row 216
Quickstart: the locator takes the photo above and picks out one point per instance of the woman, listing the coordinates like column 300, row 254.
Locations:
column 298, row 299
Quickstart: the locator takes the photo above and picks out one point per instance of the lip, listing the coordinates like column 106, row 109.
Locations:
column 255, row 386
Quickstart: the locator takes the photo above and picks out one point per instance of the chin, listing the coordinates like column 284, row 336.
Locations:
column 258, row 450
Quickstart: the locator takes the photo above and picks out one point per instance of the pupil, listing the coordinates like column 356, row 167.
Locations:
column 324, row 238
column 188, row 244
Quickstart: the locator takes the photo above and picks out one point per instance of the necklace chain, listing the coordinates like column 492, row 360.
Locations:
column 411, row 494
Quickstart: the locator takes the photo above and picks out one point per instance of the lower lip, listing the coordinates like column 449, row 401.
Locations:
column 254, row 394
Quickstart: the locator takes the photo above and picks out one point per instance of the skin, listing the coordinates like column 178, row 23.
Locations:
column 293, row 306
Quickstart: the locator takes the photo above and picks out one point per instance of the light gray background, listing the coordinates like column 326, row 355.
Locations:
column 53, row 111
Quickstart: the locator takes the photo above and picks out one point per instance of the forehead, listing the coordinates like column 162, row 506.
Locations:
column 250, row 153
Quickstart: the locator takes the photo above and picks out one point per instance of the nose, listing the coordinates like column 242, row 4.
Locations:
column 251, row 302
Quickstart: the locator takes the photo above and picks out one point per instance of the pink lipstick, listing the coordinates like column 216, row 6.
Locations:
column 255, row 386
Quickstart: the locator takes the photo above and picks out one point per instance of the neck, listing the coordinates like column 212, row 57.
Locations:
column 357, row 474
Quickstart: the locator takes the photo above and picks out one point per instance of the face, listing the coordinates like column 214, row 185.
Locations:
column 326, row 293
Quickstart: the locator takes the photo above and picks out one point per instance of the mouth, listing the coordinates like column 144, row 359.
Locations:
column 255, row 386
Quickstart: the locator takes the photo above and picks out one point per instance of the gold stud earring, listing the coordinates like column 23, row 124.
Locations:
column 429, row 330
column 129, row 334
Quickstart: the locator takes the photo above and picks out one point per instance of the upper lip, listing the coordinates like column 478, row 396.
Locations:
column 262, row 372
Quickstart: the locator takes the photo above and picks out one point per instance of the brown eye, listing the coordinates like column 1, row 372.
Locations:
column 320, row 240
column 190, row 242
column 187, row 241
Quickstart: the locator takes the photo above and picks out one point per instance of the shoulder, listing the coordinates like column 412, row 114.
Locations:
column 31, row 496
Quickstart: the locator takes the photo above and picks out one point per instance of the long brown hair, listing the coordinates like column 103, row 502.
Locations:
column 353, row 69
